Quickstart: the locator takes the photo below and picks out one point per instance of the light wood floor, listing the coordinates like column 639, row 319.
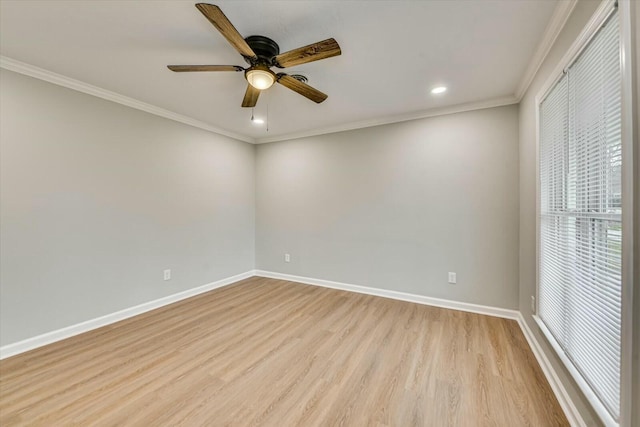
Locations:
column 275, row 353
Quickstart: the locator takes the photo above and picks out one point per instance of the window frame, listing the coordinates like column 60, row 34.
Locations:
column 605, row 9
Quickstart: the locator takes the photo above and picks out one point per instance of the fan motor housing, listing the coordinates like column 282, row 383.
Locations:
column 264, row 48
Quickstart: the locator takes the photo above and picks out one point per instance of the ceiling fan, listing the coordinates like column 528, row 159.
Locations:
column 262, row 53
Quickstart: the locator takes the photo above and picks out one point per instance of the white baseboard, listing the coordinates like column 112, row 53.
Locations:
column 402, row 296
column 570, row 410
column 60, row 334
column 558, row 388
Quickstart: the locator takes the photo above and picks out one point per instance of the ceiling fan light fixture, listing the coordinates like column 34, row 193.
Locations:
column 262, row 53
column 439, row 89
column 260, row 77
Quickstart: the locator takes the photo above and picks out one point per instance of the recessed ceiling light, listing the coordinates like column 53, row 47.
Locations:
column 257, row 121
column 439, row 89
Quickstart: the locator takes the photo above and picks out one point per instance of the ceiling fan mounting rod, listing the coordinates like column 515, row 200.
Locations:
column 265, row 49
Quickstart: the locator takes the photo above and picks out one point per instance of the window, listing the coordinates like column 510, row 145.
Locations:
column 580, row 218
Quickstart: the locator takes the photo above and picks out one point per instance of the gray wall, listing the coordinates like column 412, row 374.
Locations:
column 636, row 303
column 579, row 18
column 97, row 199
column 398, row 206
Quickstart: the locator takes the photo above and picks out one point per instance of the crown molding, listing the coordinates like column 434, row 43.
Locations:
column 558, row 19
column 70, row 83
column 80, row 86
column 597, row 19
column 433, row 112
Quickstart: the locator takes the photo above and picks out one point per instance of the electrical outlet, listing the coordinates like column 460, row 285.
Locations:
column 533, row 304
column 287, row 258
column 452, row 277
column 167, row 275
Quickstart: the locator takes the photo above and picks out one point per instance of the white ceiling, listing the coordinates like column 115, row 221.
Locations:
column 393, row 53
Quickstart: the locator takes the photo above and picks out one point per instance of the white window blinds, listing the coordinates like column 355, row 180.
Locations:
column 579, row 293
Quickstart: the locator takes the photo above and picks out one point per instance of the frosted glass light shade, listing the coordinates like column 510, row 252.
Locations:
column 260, row 79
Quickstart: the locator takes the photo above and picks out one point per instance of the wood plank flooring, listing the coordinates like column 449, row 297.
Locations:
column 274, row 353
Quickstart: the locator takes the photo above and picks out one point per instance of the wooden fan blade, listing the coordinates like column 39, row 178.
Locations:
column 182, row 68
column 226, row 28
column 302, row 88
column 250, row 97
column 313, row 52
